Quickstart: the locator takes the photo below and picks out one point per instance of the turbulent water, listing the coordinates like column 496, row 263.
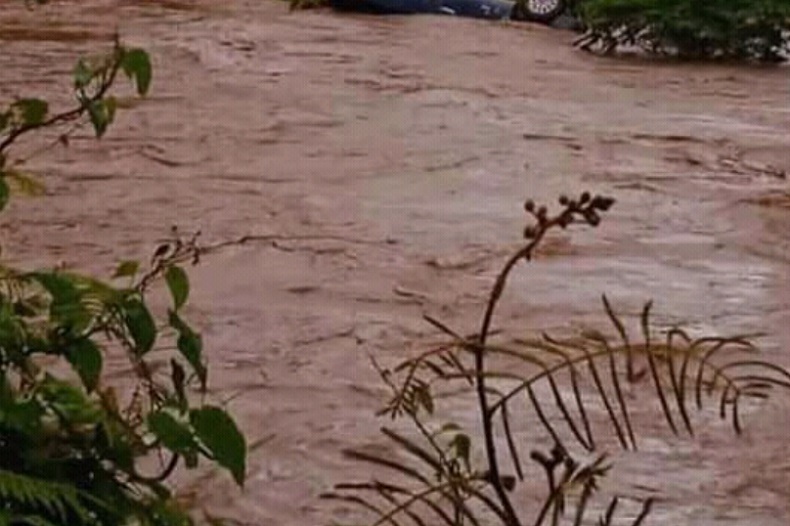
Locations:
column 391, row 157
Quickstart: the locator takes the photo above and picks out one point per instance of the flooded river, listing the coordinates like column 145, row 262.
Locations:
column 391, row 158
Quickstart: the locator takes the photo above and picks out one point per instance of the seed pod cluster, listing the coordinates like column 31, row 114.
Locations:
column 586, row 207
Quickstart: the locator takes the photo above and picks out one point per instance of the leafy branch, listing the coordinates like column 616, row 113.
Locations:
column 93, row 79
column 71, row 447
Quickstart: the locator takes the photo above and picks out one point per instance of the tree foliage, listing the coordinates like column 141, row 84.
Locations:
column 741, row 29
column 75, row 448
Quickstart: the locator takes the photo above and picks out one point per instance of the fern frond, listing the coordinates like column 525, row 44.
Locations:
column 713, row 366
column 437, row 486
column 681, row 372
column 441, row 492
column 380, row 487
column 30, row 520
column 35, row 499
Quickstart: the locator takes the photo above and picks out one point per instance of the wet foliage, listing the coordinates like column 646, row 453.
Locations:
column 77, row 446
column 726, row 29
column 453, row 476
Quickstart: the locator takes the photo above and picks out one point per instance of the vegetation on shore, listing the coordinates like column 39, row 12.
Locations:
column 691, row 29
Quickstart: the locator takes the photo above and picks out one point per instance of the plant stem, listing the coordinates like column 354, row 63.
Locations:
column 482, row 397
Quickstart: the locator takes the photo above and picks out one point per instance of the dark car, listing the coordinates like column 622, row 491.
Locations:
column 545, row 11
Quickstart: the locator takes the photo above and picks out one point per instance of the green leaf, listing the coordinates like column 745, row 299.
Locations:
column 190, row 345
column 179, row 378
column 99, row 117
column 66, row 307
column 141, row 325
column 137, row 66
column 112, row 438
column 178, row 283
column 175, row 436
column 31, row 111
column 24, row 416
column 86, row 359
column 70, row 402
column 4, row 193
column 126, row 269
column 83, row 75
column 59, row 286
column 217, row 431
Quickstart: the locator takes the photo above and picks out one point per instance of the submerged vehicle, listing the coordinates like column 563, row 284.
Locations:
column 544, row 11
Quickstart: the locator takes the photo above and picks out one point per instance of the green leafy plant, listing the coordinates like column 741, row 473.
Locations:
column 75, row 448
column 437, row 479
column 741, row 29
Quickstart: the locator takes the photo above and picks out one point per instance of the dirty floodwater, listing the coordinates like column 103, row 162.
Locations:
column 390, row 158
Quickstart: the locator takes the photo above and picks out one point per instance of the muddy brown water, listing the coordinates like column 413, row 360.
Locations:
column 392, row 156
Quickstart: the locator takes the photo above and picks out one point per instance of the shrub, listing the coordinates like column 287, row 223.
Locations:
column 75, row 449
column 741, row 29
column 439, row 477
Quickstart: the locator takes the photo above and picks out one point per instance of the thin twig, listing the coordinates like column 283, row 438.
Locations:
column 70, row 115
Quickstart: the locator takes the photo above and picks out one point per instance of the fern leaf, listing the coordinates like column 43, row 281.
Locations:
column 707, row 367
column 36, row 499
